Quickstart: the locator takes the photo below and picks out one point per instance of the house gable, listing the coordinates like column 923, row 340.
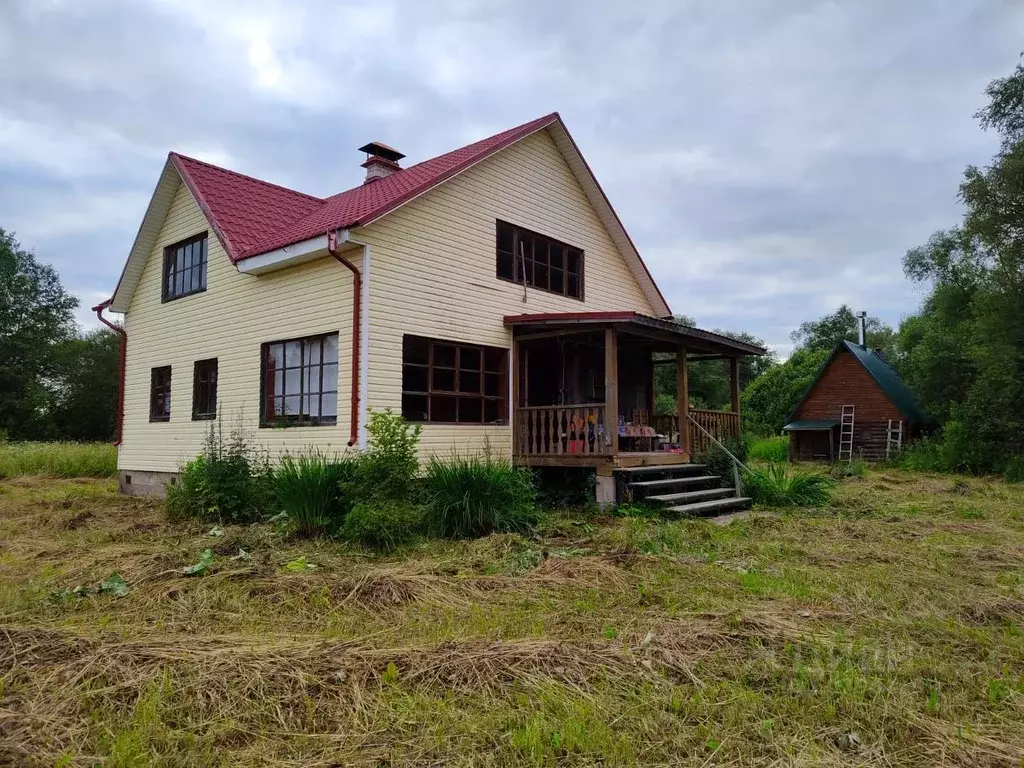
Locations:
column 844, row 381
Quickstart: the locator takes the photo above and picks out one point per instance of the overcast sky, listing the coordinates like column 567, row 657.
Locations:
column 770, row 159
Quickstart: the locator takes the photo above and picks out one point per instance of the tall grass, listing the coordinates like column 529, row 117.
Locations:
column 309, row 488
column 474, row 496
column 769, row 448
column 779, row 486
column 58, row 459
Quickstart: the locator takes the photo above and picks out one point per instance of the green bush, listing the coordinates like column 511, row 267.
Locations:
column 855, row 468
column 309, row 487
column 926, row 455
column 1014, row 470
column 475, row 496
column 389, row 467
column 228, row 482
column 565, row 487
column 779, row 486
column 58, row 459
column 769, row 448
column 719, row 462
column 382, row 524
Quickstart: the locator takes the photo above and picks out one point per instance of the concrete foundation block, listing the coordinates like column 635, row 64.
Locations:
column 136, row 482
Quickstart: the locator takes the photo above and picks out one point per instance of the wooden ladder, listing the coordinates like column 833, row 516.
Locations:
column 893, row 439
column 846, row 434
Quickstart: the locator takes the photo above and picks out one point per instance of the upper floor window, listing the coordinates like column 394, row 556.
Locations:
column 204, row 390
column 300, row 382
column 539, row 261
column 185, row 268
column 453, row 383
column 160, row 393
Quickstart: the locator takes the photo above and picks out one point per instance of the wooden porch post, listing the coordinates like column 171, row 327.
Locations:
column 734, row 382
column 611, row 386
column 513, row 407
column 683, row 400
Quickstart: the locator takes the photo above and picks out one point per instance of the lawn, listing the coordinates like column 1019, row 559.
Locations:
column 884, row 630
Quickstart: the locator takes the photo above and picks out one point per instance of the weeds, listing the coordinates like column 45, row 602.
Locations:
column 780, row 486
column 474, row 496
column 768, row 448
column 309, row 487
column 57, row 459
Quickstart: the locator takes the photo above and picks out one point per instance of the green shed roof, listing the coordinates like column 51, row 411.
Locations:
column 811, row 425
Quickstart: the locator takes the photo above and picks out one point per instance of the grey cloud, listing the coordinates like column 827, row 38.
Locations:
column 770, row 159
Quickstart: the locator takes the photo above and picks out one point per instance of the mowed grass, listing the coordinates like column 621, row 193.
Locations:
column 884, row 630
column 58, row 460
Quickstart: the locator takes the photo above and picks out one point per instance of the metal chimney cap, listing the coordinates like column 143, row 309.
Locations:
column 380, row 149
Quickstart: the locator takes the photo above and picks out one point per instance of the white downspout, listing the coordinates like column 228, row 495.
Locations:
column 345, row 236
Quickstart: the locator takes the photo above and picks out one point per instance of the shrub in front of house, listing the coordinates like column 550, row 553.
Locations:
column 780, row 486
column 229, row 482
column 389, row 467
column 310, row 488
column 382, row 524
column 477, row 495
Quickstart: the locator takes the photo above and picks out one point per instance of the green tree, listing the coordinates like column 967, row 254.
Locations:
column 36, row 318
column 769, row 400
column 964, row 351
column 827, row 331
column 86, row 394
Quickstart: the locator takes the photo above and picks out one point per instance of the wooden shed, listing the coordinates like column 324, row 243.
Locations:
column 856, row 406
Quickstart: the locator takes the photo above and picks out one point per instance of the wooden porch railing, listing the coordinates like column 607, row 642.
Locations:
column 556, row 430
column 722, row 424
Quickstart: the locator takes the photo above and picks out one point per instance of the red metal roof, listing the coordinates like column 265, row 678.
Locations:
column 252, row 217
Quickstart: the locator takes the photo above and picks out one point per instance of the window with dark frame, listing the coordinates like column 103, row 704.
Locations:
column 451, row 383
column 160, row 394
column 185, row 268
column 204, row 390
column 539, row 261
column 299, row 382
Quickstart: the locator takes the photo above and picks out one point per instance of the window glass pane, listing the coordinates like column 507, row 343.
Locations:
column 573, row 286
column 469, row 358
column 196, row 279
column 313, row 352
column 444, row 354
column 414, row 407
column 179, row 283
column 471, row 410
column 469, row 381
column 279, row 382
column 492, row 384
column 443, row 408
column 330, row 349
column 540, row 275
column 506, row 266
column 557, row 280
column 292, row 404
column 179, row 259
column 330, row 377
column 170, row 284
column 494, row 359
column 312, row 378
column 202, row 275
column 504, row 237
column 329, row 405
column 493, row 411
column 293, row 354
column 443, row 380
column 275, row 355
column 278, row 407
column 291, row 381
column 415, row 350
column 575, row 261
column 414, row 378
column 311, row 406
column 557, row 256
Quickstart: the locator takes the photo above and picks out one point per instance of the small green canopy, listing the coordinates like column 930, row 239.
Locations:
column 810, row 425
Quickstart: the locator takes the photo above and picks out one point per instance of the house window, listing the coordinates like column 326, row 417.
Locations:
column 185, row 268
column 451, row 383
column 204, row 390
column 160, row 394
column 539, row 261
column 300, row 382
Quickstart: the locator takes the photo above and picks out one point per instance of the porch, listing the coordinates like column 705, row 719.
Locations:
column 583, row 390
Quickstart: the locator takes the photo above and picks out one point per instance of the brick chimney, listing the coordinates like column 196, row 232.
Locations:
column 381, row 161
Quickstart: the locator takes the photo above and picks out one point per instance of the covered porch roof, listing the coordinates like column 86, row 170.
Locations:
column 663, row 333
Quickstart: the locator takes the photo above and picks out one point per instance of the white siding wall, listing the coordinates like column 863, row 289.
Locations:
column 433, row 270
column 229, row 321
